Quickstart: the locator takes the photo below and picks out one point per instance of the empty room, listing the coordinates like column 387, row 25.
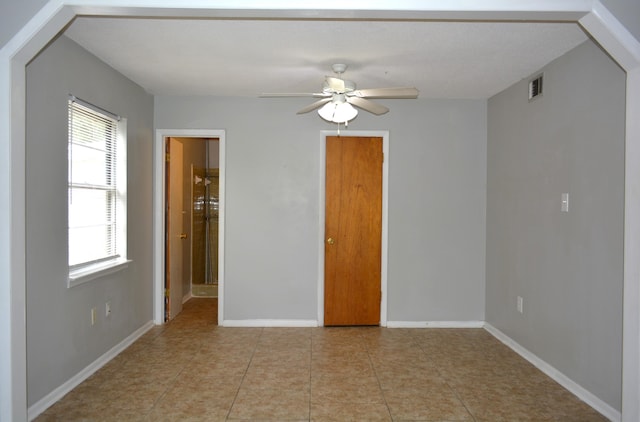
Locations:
column 415, row 218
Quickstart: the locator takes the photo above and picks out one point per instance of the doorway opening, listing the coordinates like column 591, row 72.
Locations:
column 188, row 220
column 326, row 245
column 191, row 221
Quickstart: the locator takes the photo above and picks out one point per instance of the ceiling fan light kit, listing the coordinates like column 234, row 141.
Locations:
column 338, row 112
column 339, row 96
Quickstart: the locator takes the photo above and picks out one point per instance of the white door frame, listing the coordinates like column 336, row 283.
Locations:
column 158, row 215
column 385, row 220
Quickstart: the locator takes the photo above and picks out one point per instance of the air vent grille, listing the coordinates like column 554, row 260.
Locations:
column 535, row 87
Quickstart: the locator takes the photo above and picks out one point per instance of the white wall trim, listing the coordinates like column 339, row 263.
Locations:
column 435, row 324
column 262, row 323
column 579, row 391
column 44, row 403
column 618, row 42
column 385, row 216
column 631, row 288
column 158, row 214
column 542, row 10
column 624, row 48
column 186, row 297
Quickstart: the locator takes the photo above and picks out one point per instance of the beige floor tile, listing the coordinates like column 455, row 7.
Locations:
column 115, row 364
column 135, row 397
column 283, row 346
column 397, row 354
column 332, row 355
column 341, row 368
column 278, row 378
column 215, row 388
column 202, row 401
column 501, row 400
column 352, row 389
column 431, row 404
column 267, row 404
column 70, row 406
column 344, row 354
column 88, row 415
column 245, row 337
column 389, row 368
column 221, row 354
column 292, row 336
column 211, row 412
column 349, row 412
column 281, row 358
column 214, row 368
column 407, row 380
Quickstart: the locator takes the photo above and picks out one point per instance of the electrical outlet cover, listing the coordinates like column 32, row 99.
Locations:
column 519, row 304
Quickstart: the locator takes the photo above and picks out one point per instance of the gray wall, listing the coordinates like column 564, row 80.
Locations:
column 60, row 338
column 566, row 266
column 627, row 12
column 14, row 15
column 437, row 191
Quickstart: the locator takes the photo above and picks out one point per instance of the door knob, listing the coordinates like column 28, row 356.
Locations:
column 331, row 241
column 183, row 236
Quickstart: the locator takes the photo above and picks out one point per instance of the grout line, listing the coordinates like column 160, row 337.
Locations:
column 373, row 367
column 171, row 383
column 253, row 352
column 446, row 381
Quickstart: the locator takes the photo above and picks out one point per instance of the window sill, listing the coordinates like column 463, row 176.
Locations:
column 91, row 272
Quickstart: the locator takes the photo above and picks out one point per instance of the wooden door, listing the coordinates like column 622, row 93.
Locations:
column 353, row 231
column 176, row 234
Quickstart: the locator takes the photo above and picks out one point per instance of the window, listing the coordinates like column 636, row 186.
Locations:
column 97, row 192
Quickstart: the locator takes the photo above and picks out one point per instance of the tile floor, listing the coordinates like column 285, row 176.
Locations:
column 193, row 370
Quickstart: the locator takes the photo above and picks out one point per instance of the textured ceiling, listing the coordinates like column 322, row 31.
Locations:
column 249, row 57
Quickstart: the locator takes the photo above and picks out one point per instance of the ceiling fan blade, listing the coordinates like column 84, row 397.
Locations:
column 313, row 106
column 293, row 94
column 335, row 84
column 368, row 105
column 386, row 93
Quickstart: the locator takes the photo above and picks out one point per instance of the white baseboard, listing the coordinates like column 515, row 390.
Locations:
column 43, row 404
column 269, row 323
column 435, row 324
column 584, row 395
column 186, row 298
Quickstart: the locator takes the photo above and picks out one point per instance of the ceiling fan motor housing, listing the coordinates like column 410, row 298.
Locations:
column 339, row 68
column 349, row 86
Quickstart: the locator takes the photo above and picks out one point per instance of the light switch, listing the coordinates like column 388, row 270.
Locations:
column 565, row 202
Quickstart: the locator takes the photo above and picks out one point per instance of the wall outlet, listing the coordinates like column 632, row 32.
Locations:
column 564, row 204
column 107, row 309
column 94, row 316
column 519, row 304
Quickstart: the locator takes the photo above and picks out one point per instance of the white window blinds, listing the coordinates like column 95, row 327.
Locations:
column 93, row 186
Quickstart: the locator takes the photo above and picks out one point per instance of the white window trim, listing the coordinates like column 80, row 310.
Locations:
column 83, row 273
column 90, row 272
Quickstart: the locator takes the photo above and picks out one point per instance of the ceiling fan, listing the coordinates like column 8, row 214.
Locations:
column 340, row 95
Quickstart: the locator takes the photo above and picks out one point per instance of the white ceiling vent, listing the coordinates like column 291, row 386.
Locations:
column 535, row 87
